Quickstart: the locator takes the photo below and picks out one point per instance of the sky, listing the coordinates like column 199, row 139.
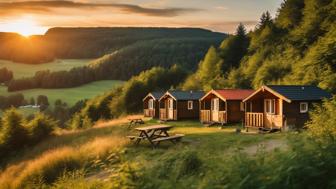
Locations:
column 36, row 16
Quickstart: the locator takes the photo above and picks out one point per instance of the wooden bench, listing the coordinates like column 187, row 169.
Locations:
column 135, row 122
column 173, row 139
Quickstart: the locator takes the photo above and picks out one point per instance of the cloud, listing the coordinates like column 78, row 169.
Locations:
column 221, row 8
column 43, row 7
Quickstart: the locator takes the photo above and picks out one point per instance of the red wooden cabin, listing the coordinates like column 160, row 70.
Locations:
column 223, row 106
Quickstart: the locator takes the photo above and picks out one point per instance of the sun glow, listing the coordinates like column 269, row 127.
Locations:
column 25, row 26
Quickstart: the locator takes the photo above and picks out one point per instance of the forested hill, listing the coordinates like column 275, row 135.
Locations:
column 296, row 47
column 124, row 52
column 77, row 43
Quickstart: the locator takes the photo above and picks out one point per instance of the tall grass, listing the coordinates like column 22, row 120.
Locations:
column 49, row 166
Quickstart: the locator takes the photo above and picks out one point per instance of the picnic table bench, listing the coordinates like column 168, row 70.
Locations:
column 155, row 134
column 135, row 121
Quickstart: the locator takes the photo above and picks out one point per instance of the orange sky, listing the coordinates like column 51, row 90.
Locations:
column 35, row 17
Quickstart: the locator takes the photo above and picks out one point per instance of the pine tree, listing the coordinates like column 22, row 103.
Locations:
column 265, row 20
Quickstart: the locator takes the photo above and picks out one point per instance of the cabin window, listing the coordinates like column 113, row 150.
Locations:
column 270, row 106
column 151, row 104
column 303, row 107
column 215, row 104
column 242, row 106
column 190, row 105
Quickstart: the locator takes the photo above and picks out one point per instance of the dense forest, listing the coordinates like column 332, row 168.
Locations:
column 296, row 47
column 128, row 52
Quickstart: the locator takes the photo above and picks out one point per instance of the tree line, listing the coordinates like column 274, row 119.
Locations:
column 123, row 64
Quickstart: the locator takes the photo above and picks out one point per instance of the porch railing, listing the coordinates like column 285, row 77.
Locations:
column 254, row 119
column 164, row 114
column 222, row 116
column 205, row 116
column 149, row 112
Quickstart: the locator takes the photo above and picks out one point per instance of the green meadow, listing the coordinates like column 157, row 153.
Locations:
column 68, row 95
column 105, row 158
column 27, row 70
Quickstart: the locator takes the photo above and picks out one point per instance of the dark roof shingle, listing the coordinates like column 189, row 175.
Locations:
column 187, row 95
column 300, row 92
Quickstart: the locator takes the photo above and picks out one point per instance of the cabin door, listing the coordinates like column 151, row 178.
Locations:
column 214, row 109
column 170, row 108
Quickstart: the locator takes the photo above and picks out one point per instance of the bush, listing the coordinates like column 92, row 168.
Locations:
column 13, row 133
column 40, row 127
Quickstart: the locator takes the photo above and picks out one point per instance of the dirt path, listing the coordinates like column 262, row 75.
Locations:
column 267, row 146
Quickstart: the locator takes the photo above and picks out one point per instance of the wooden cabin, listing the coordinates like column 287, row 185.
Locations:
column 223, row 106
column 176, row 105
column 151, row 104
column 281, row 107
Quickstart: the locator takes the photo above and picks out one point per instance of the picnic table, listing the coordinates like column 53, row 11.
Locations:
column 155, row 134
column 135, row 121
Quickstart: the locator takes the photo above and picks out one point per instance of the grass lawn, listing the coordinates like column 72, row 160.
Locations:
column 105, row 153
column 68, row 95
column 27, row 70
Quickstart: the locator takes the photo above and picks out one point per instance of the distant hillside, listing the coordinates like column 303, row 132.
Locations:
column 78, row 43
column 296, row 47
column 125, row 52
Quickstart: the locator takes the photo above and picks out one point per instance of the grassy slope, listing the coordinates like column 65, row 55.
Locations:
column 105, row 149
column 69, row 95
column 28, row 70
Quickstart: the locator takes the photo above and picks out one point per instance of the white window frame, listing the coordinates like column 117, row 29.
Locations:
column 151, row 104
column 190, row 105
column 304, row 110
column 270, row 103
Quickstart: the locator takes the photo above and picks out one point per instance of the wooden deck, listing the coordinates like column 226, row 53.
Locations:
column 254, row 119
column 149, row 112
column 206, row 117
column 264, row 121
column 164, row 114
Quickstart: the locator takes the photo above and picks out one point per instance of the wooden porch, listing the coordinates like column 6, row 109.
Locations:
column 164, row 114
column 207, row 117
column 264, row 121
column 149, row 112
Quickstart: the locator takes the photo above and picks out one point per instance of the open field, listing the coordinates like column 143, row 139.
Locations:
column 68, row 95
column 105, row 158
column 28, row 70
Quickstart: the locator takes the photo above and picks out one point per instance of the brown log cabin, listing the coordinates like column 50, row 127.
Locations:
column 281, row 107
column 176, row 105
column 151, row 104
column 223, row 106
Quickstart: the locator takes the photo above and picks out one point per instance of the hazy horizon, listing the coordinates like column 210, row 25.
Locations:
column 36, row 17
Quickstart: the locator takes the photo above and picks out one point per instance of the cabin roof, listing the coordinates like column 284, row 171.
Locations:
column 156, row 95
column 186, row 95
column 294, row 92
column 300, row 92
column 234, row 94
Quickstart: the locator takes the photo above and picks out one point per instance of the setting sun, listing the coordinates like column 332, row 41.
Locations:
column 25, row 26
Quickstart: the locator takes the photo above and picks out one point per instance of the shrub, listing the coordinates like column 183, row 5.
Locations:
column 13, row 133
column 40, row 127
